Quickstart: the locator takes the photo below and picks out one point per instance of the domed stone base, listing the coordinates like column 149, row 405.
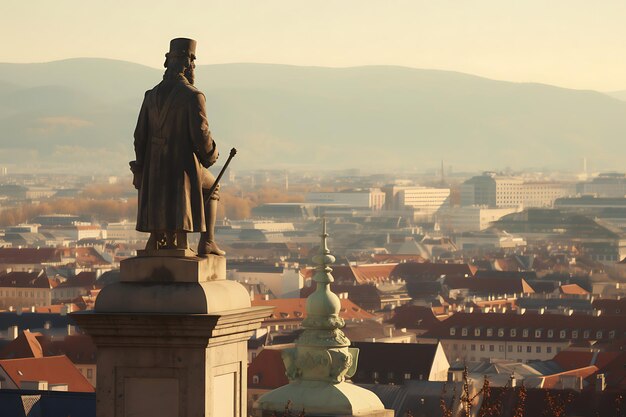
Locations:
column 322, row 399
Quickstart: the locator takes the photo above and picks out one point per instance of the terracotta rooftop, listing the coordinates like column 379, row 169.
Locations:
column 85, row 279
column 287, row 309
column 575, row 359
column 540, row 327
column 25, row 345
column 490, row 285
column 30, row 255
column 572, row 289
column 267, row 370
column 414, row 317
column 37, row 279
column 53, row 369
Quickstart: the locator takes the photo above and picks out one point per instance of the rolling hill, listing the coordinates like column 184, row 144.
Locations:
column 80, row 113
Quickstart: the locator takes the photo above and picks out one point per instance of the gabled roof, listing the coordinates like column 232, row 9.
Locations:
column 25, row 345
column 16, row 279
column 555, row 380
column 53, row 369
column 395, row 359
column 85, row 279
column 574, row 359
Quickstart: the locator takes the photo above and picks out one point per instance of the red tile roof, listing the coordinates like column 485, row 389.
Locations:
column 30, row 255
column 386, row 257
column 428, row 269
column 287, row 309
column 574, row 359
column 37, row 279
column 414, row 317
column 269, row 368
column 611, row 327
column 53, row 369
column 85, row 279
column 88, row 256
column 554, row 380
column 25, row 345
column 490, row 285
column 365, row 273
column 573, row 289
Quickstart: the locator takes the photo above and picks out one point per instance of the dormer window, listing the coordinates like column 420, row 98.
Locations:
column 476, row 332
column 464, row 331
column 255, row 379
column 513, row 332
column 586, row 334
column 562, row 334
column 599, row 334
column 612, row 334
column 550, row 333
column 500, row 332
column 452, row 331
column 489, row 332
column 574, row 334
column 525, row 333
column 537, row 333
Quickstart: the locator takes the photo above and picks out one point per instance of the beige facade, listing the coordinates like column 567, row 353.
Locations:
column 24, row 297
column 486, row 350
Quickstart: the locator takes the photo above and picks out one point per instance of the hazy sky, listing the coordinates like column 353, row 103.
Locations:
column 571, row 43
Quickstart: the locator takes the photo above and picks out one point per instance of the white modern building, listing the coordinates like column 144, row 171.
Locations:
column 471, row 218
column 422, row 201
column 493, row 190
column 371, row 198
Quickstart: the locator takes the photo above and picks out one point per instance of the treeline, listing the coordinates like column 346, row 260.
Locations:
column 237, row 205
column 96, row 203
column 109, row 210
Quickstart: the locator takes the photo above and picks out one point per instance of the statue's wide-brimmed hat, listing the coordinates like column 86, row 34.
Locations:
column 182, row 47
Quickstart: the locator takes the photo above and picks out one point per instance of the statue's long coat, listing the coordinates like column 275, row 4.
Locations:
column 173, row 145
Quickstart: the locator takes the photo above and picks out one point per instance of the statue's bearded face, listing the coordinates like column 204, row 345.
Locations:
column 189, row 72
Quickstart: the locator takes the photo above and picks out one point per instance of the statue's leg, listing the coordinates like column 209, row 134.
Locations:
column 153, row 241
column 207, row 243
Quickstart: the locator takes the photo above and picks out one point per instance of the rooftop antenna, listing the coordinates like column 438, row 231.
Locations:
column 443, row 179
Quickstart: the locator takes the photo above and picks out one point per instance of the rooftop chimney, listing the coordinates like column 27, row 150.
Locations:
column 12, row 332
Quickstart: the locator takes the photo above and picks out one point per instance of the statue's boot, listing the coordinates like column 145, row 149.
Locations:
column 207, row 243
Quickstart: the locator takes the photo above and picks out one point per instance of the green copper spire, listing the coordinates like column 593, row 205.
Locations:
column 321, row 359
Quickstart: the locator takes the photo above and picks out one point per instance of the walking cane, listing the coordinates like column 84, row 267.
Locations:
column 233, row 152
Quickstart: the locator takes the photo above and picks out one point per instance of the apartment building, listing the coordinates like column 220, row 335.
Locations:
column 521, row 336
column 493, row 190
column 370, row 198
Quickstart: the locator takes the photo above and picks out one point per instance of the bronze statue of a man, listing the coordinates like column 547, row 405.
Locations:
column 173, row 149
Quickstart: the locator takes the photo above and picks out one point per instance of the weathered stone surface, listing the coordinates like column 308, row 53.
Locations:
column 173, row 360
column 172, row 268
column 318, row 398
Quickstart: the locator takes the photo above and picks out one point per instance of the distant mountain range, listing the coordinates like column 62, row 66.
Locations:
column 80, row 114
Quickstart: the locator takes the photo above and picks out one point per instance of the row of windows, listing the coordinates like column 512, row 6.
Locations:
column 501, row 348
column 27, row 294
column 538, row 333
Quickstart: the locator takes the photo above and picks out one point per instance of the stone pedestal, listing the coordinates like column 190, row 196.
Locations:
column 172, row 339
